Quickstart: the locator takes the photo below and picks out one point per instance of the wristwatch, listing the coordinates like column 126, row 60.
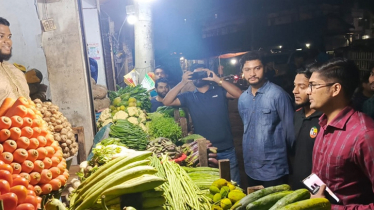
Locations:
column 220, row 81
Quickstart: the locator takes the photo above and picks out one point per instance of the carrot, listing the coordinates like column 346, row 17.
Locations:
column 51, row 151
column 32, row 155
column 4, row 135
column 15, row 133
column 45, row 176
column 39, row 202
column 31, row 103
column 55, row 161
column 46, row 189
column 6, row 157
column 38, row 190
column 27, row 122
column 16, row 168
column 45, row 132
column 56, row 146
column 36, row 123
column 19, row 110
column 10, row 146
column 15, row 176
column 27, row 132
column 42, row 141
column 22, row 101
column 25, row 175
column 23, row 142
column 34, row 178
column 55, row 172
column 42, row 153
column 34, row 143
column 5, row 122
column 63, row 179
column 7, row 103
column 27, row 166
column 47, row 162
column 56, row 184
column 66, row 174
column 1, row 148
column 30, row 113
column 30, row 189
column 6, row 167
column 20, row 155
column 36, row 133
column 38, row 166
column 17, row 121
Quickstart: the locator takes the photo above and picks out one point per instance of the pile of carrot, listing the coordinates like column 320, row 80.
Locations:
column 31, row 161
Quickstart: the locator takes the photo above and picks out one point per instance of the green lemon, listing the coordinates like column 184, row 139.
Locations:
column 117, row 101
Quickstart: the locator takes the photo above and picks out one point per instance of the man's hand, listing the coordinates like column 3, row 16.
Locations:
column 186, row 77
column 320, row 193
column 214, row 77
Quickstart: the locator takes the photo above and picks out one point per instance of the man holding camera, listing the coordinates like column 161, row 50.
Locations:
column 208, row 107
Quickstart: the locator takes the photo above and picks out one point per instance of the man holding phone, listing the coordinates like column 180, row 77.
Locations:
column 343, row 154
column 208, row 107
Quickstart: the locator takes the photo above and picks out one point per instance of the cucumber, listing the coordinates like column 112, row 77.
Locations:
column 241, row 205
column 268, row 201
column 298, row 195
column 310, row 204
column 153, row 202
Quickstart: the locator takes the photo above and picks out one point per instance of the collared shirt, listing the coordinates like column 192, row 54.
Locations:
column 210, row 115
column 368, row 107
column 306, row 130
column 343, row 157
column 13, row 83
column 155, row 104
column 268, row 131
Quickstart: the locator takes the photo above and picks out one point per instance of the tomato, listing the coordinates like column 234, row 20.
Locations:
column 6, row 175
column 4, row 186
column 9, row 201
column 21, row 181
column 6, row 167
column 31, row 192
column 20, row 191
column 25, row 206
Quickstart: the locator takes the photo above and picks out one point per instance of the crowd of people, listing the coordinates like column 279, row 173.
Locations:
column 325, row 128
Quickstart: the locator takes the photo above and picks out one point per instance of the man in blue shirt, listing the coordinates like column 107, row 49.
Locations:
column 162, row 88
column 267, row 114
column 208, row 107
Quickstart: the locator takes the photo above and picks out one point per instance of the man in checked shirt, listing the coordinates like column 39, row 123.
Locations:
column 343, row 154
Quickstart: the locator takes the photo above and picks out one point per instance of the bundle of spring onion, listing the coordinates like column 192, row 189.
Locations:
column 180, row 191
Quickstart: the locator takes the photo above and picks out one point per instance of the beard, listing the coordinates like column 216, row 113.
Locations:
column 306, row 103
column 5, row 57
column 162, row 94
column 200, row 83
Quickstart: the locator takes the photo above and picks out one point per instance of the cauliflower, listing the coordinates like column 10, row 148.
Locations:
column 104, row 115
column 106, row 122
column 133, row 111
column 142, row 117
column 121, row 115
column 133, row 120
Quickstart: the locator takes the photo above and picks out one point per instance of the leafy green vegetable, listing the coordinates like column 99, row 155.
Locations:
column 129, row 134
column 164, row 126
column 138, row 92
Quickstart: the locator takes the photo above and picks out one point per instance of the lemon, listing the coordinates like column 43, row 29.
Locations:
column 123, row 108
column 132, row 104
column 132, row 99
column 216, row 197
column 213, row 190
column 226, row 204
column 117, row 101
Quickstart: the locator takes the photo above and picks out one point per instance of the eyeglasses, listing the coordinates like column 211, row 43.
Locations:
column 318, row 86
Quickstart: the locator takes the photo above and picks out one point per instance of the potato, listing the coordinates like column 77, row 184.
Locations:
column 54, row 111
column 69, row 142
column 65, row 155
column 58, row 128
column 63, row 145
column 64, row 131
column 53, row 119
column 58, row 122
column 66, row 150
column 70, row 134
column 47, row 114
column 48, row 103
column 51, row 128
column 57, row 137
column 73, row 152
column 63, row 138
column 47, row 119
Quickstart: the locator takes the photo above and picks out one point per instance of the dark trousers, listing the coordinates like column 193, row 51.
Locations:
column 279, row 181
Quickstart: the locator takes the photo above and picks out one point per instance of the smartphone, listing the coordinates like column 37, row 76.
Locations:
column 199, row 75
column 313, row 183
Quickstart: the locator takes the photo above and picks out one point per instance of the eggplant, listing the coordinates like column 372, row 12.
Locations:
column 213, row 160
column 212, row 155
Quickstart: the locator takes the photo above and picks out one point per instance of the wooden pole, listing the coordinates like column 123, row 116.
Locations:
column 203, row 152
column 224, row 169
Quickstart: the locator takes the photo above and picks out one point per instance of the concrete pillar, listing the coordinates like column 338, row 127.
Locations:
column 144, row 55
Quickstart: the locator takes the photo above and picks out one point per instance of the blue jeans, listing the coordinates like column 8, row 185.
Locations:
column 234, row 166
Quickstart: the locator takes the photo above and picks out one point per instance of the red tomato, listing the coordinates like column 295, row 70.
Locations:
column 20, row 191
column 21, row 181
column 4, row 186
column 25, row 206
column 31, row 192
column 6, row 167
column 9, row 201
column 6, row 175
column 31, row 200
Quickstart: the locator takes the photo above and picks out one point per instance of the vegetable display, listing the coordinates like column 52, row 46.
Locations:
column 164, row 126
column 59, row 126
column 280, row 197
column 129, row 134
column 123, row 175
column 162, row 146
column 124, row 97
column 203, row 177
column 192, row 152
column 180, row 191
column 224, row 194
column 31, row 161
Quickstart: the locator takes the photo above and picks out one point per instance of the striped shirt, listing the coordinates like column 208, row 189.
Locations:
column 343, row 157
